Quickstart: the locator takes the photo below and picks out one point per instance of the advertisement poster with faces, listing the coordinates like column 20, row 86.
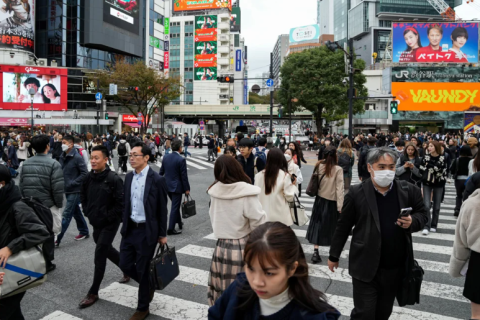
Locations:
column 122, row 13
column 206, row 48
column 16, row 87
column 17, row 24
column 435, row 42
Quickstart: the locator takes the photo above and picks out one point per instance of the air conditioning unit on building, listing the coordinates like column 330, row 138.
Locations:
column 30, row 63
column 42, row 62
column 53, row 63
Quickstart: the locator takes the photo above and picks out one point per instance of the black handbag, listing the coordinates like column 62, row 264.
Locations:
column 314, row 185
column 408, row 292
column 163, row 267
column 188, row 207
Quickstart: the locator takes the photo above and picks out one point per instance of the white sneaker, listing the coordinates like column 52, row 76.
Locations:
column 433, row 230
column 119, row 171
column 425, row 232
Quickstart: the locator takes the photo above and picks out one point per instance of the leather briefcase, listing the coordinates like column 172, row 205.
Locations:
column 163, row 267
column 188, row 207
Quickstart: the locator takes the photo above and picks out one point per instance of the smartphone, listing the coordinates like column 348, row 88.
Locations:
column 293, row 177
column 405, row 212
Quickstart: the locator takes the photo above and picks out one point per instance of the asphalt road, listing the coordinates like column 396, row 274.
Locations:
column 186, row 297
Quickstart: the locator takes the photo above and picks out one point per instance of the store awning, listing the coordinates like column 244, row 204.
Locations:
column 132, row 124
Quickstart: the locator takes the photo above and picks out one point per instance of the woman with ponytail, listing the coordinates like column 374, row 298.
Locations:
column 275, row 284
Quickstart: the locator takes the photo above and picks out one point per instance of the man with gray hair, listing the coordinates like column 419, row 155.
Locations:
column 383, row 212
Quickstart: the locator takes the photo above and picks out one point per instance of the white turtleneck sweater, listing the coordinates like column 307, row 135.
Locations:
column 274, row 304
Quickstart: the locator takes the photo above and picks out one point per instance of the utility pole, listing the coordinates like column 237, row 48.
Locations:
column 271, row 95
column 98, row 108
column 290, row 119
column 351, row 90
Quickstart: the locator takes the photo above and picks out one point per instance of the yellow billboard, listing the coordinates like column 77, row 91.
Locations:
column 188, row 5
column 440, row 96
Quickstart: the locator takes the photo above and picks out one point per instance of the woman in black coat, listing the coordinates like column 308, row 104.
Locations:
column 57, row 148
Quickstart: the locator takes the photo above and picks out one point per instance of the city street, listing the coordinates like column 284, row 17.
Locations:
column 186, row 296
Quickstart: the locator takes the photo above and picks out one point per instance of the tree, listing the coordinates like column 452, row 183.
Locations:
column 140, row 88
column 315, row 78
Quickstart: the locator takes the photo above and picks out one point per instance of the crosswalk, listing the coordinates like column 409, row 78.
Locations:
column 186, row 297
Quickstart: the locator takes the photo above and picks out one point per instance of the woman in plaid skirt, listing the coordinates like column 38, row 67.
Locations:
column 235, row 211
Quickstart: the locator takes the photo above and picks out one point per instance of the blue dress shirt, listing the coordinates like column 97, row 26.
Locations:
column 136, row 197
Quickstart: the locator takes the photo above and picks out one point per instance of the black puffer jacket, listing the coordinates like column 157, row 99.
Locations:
column 20, row 228
column 102, row 198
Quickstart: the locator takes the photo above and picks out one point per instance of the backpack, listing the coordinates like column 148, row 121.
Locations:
column 344, row 161
column 260, row 154
column 42, row 212
column 122, row 149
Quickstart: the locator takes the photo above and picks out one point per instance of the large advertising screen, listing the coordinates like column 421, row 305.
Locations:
column 188, row 5
column 205, row 41
column 122, row 13
column 205, row 74
column 435, row 42
column 305, row 33
column 17, row 25
column 236, row 20
column 471, row 122
column 50, row 85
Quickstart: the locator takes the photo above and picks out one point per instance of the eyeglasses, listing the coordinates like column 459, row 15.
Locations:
column 135, row 155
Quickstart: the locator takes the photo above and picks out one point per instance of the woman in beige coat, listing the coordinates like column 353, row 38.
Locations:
column 278, row 188
column 465, row 259
column 328, row 202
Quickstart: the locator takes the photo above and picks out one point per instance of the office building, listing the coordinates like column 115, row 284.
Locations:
column 325, row 16
column 279, row 53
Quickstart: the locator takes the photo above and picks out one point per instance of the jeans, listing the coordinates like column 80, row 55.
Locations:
column 122, row 163
column 437, row 199
column 185, row 152
column 460, row 188
column 167, row 150
column 103, row 238
column 13, row 172
column 210, row 153
column 73, row 210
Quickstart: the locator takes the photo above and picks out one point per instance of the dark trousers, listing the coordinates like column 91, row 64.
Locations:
column 437, row 199
column 104, row 250
column 460, row 188
column 135, row 256
column 374, row 300
column 10, row 307
column 175, row 217
column 48, row 249
column 122, row 163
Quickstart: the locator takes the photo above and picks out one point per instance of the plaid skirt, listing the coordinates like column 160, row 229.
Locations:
column 227, row 261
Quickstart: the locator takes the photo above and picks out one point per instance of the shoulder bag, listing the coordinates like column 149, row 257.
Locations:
column 163, row 267
column 188, row 207
column 297, row 212
column 314, row 184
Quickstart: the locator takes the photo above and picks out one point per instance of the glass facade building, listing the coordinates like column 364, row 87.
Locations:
column 420, row 7
column 340, row 20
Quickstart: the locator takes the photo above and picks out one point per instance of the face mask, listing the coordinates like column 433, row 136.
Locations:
column 282, row 141
column 383, row 178
column 288, row 157
column 64, row 147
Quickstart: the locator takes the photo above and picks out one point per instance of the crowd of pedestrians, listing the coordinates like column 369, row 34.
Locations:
column 259, row 269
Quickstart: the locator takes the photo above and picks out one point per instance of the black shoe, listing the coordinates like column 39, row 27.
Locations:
column 57, row 244
column 51, row 267
column 456, row 213
column 152, row 294
column 316, row 257
column 180, row 225
column 173, row 232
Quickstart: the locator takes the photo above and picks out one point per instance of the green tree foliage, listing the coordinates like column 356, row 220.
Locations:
column 315, row 78
column 155, row 91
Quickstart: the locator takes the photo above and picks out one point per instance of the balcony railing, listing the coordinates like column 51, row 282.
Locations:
column 372, row 114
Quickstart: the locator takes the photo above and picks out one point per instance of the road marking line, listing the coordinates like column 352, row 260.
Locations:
column 195, row 165
column 59, row 315
column 202, row 162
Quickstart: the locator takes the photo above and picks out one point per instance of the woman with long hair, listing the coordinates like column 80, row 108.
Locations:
column 434, row 175
column 275, row 284
column 328, row 202
column 235, row 211
column 50, row 94
column 413, row 41
column 57, row 146
column 293, row 169
column 345, row 152
column 22, row 149
column 408, row 165
column 459, row 171
column 298, row 159
column 277, row 188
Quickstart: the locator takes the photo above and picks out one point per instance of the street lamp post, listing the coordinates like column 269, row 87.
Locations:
column 32, row 92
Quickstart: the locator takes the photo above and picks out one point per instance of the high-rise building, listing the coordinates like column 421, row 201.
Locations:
column 325, row 16
column 340, row 19
column 279, row 53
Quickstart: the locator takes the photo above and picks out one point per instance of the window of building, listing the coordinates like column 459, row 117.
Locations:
column 150, row 52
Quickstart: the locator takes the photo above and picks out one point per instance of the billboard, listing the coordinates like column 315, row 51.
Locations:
column 122, row 13
column 206, row 47
column 236, row 20
column 205, row 41
column 238, row 60
column 471, row 122
column 166, row 60
column 205, row 74
column 435, row 42
column 205, row 28
column 188, row 5
column 17, row 25
column 50, row 85
column 305, row 33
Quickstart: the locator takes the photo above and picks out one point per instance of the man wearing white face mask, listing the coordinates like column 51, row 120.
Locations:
column 381, row 246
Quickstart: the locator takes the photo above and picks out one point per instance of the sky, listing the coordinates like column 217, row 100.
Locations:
column 264, row 20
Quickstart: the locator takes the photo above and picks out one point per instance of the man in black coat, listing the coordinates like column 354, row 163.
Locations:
column 381, row 245
column 363, row 173
column 102, row 203
column 144, row 224
column 251, row 165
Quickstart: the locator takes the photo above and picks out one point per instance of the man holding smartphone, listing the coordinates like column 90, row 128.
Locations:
column 384, row 213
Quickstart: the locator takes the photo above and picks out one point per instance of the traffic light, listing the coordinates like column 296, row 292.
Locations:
column 132, row 88
column 393, row 107
column 280, row 112
column 225, row 79
column 106, row 116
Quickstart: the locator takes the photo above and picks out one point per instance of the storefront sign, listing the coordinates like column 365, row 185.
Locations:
column 7, row 122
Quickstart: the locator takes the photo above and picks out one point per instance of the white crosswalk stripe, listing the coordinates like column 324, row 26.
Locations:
column 59, row 315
